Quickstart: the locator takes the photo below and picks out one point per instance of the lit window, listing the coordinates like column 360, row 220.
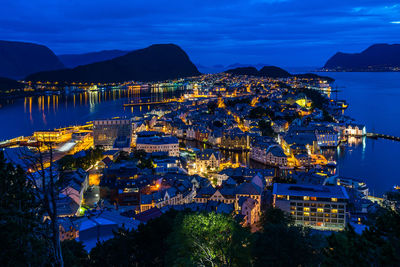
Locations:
column 320, row 210
column 314, row 198
column 306, row 209
column 334, row 199
column 306, row 214
column 334, row 211
column 306, row 198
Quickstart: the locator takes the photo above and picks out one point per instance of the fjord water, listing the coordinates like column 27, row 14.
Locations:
column 373, row 100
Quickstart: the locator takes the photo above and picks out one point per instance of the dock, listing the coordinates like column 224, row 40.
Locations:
column 150, row 103
column 383, row 136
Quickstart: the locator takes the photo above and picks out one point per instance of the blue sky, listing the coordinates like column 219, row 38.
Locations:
column 276, row 32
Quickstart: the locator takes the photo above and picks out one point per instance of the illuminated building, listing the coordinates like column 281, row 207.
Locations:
column 56, row 136
column 168, row 144
column 317, row 206
column 105, row 132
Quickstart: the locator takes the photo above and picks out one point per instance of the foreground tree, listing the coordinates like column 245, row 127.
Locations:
column 21, row 230
column 74, row 253
column 146, row 246
column 280, row 243
column 209, row 239
column 45, row 179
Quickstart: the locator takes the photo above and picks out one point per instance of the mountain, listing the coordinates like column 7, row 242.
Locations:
column 274, row 72
column 210, row 69
column 18, row 59
column 241, row 65
column 243, row 71
column 7, row 84
column 266, row 71
column 74, row 60
column 154, row 63
column 378, row 57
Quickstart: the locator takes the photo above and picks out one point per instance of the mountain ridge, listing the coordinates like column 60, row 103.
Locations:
column 19, row 59
column 154, row 63
column 377, row 57
column 74, row 60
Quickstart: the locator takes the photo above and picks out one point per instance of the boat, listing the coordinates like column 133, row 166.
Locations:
column 331, row 163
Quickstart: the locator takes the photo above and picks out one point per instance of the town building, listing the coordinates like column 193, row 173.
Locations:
column 317, row 206
column 152, row 144
column 106, row 132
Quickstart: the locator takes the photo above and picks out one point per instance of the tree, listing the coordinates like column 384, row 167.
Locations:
column 20, row 223
column 378, row 245
column 74, row 253
column 347, row 249
column 146, row 246
column 212, row 106
column 209, row 239
column 280, row 243
column 266, row 128
column 45, row 179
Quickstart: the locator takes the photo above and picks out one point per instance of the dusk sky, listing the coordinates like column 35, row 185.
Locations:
column 276, row 32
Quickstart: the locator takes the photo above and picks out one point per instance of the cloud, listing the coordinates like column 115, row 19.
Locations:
column 289, row 32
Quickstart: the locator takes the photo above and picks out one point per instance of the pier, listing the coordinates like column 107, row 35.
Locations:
column 150, row 103
column 383, row 136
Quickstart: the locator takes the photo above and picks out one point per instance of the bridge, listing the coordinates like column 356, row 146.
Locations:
column 383, row 136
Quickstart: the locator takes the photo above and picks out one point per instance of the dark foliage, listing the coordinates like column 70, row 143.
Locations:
column 21, row 227
column 70, row 162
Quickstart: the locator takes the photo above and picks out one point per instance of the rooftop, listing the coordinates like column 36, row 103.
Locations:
column 310, row 190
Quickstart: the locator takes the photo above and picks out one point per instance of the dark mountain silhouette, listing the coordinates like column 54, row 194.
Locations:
column 266, row 71
column 18, row 59
column 241, row 65
column 378, row 57
column 7, row 84
column 274, row 72
column 244, row 71
column 154, row 63
column 74, row 60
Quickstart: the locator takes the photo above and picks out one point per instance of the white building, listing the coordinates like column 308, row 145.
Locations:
column 152, row 144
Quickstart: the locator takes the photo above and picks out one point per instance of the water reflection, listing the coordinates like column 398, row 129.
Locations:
column 50, row 104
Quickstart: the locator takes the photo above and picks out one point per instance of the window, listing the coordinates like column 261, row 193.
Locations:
column 334, row 199
column 306, row 209
column 306, row 198
column 313, row 198
column 320, row 210
column 334, row 210
column 306, row 214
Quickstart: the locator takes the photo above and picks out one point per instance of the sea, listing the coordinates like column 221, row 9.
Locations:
column 373, row 100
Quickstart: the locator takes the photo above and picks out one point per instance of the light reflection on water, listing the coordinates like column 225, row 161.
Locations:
column 24, row 116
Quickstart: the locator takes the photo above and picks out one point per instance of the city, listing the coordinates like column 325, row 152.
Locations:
column 143, row 158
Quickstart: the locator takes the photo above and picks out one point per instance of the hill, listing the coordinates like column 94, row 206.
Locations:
column 378, row 57
column 74, row 60
column 274, row 72
column 8, row 84
column 18, row 59
column 252, row 71
column 154, row 63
